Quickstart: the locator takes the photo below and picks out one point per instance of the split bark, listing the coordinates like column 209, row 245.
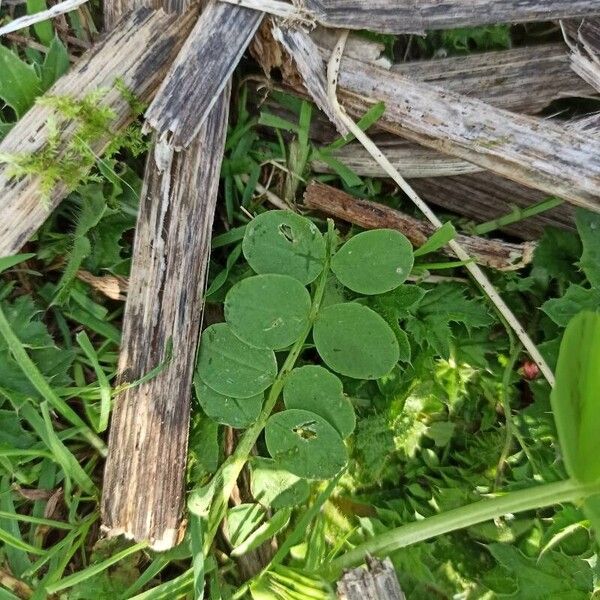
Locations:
column 138, row 52
column 415, row 16
column 496, row 254
column 541, row 155
column 378, row 581
column 143, row 494
column 202, row 69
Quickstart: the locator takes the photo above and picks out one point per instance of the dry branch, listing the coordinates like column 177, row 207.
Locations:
column 138, row 52
column 376, row 581
column 143, row 495
column 541, row 155
column 496, row 254
column 202, row 69
column 416, row 16
column 585, row 46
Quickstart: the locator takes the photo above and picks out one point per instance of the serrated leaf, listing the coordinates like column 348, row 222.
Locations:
column 588, row 227
column 304, row 444
column 577, row 298
column 374, row 262
column 19, row 84
column 355, row 341
column 268, row 311
column 574, row 398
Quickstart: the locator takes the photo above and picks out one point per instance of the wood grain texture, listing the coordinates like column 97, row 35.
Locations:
column 202, row 69
column 376, row 581
column 143, row 493
column 585, row 49
column 416, row 16
column 139, row 52
column 496, row 254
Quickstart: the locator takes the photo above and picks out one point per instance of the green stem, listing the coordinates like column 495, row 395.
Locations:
column 37, row 379
column 459, row 518
column 231, row 468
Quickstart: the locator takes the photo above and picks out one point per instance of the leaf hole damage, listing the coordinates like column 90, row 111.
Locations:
column 306, row 431
column 287, row 232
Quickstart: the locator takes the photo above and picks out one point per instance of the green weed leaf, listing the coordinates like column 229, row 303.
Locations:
column 575, row 397
column 588, row 226
column 355, row 341
column 438, row 240
column 304, row 443
column 577, row 298
column 374, row 262
column 55, row 64
column 268, row 311
column 231, row 367
column 316, row 389
column 282, row 242
column 234, row 412
column 19, row 84
column 275, row 487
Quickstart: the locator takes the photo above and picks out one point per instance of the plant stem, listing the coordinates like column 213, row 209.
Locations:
column 231, row 468
column 37, row 379
column 459, row 518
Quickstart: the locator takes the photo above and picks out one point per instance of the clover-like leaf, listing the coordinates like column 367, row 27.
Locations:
column 305, row 444
column 374, row 262
column 355, row 341
column 279, row 241
column 316, row 389
column 268, row 311
column 227, row 410
column 232, row 367
column 275, row 487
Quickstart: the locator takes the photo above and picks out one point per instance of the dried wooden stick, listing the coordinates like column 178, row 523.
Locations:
column 58, row 9
column 378, row 581
column 201, row 71
column 496, row 254
column 538, row 154
column 138, row 52
column 584, row 40
column 333, row 70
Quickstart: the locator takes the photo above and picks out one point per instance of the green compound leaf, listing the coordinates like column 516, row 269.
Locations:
column 282, row 242
column 231, row 367
column 268, row 311
column 275, row 487
column 355, row 341
column 316, row 389
column 374, row 262
column 305, row 444
column 575, row 397
column 226, row 410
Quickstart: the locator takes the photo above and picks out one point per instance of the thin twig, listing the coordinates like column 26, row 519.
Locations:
column 333, row 68
column 44, row 15
column 22, row 39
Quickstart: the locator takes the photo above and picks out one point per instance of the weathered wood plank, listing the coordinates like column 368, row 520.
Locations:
column 376, row 581
column 143, row 495
column 202, row 69
column 585, row 49
column 496, row 254
column 139, row 52
column 538, row 154
column 416, row 16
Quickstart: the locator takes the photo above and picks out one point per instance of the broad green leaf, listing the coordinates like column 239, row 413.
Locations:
column 438, row 240
column 588, row 227
column 19, row 83
column 7, row 262
column 268, row 311
column 264, row 532
column 575, row 398
column 275, row 487
column 577, row 298
column 304, row 444
column 235, row 412
column 5, row 128
column 56, row 62
column 278, row 241
column 44, row 29
column 232, row 367
column 591, row 509
column 316, row 389
column 355, row 341
column 374, row 262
